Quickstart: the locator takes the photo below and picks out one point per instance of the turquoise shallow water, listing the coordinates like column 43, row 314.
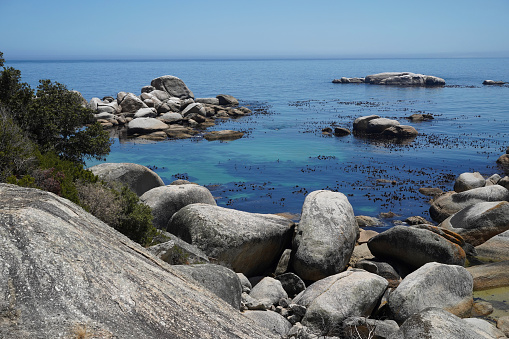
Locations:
column 284, row 154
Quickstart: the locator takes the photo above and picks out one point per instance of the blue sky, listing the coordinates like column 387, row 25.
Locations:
column 93, row 29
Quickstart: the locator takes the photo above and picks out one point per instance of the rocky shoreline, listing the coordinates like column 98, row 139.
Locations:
column 167, row 109
column 325, row 276
column 225, row 273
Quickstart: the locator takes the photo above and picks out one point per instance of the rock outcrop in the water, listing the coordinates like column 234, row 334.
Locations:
column 396, row 79
column 63, row 273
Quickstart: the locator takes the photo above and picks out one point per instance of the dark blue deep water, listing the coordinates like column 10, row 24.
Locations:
column 284, row 154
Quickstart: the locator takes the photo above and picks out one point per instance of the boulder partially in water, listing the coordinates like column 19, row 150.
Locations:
column 404, row 79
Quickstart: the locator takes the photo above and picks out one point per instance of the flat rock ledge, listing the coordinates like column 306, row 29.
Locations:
column 395, row 79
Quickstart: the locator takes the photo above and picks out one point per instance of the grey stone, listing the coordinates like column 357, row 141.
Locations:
column 400, row 132
column 94, row 103
column 220, row 280
column 272, row 321
column 325, row 237
column 173, row 86
column 194, row 108
column 332, row 300
column 360, row 252
column 147, row 89
column 435, row 323
column 283, row 263
column 162, row 95
column 63, row 270
column 177, row 252
column 361, row 327
column 223, row 135
column 492, row 82
column 225, row 99
column 244, row 281
column 131, row 103
column 171, row 117
column 291, row 283
column 208, row 101
column 268, row 291
column 137, row 177
column 467, row 181
column 403, row 79
column 433, row 285
column 503, row 324
column 360, row 124
column 366, row 221
column 104, row 115
column 487, row 327
column 381, row 268
column 145, row 113
column 145, row 126
column 251, row 303
column 488, row 276
column 379, row 125
column 345, row 80
column 167, row 200
column 418, row 246
column 248, row 243
column 493, row 180
column 449, row 203
column 479, row 222
column 341, row 132
column 495, row 249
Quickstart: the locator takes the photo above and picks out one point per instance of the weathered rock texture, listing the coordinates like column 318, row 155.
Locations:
column 433, row 285
column 330, row 301
column 468, row 181
column 495, row 249
column 63, row 270
column 480, row 222
column 326, row 235
column 435, row 323
column 167, row 200
column 247, row 243
column 173, row 86
column 418, row 246
column 449, row 203
column 139, row 178
column 490, row 276
column 403, row 79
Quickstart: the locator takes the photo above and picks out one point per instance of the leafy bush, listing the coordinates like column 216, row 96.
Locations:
column 120, row 208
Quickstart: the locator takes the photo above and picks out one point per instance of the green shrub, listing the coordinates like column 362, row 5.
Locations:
column 120, row 208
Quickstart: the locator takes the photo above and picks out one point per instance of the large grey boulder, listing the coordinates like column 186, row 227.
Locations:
column 171, row 117
column 268, row 291
column 130, row 103
column 378, row 125
column 173, row 86
column 220, row 280
column 435, row 323
column 400, row 132
column 176, row 251
column 145, row 126
column 63, row 271
column 449, row 203
column 272, row 321
column 480, row 222
column 332, row 300
column 487, row 327
column 228, row 100
column 418, row 246
column 145, row 113
column 194, row 108
column 138, row 178
column 208, row 101
column 467, row 181
column 167, row 200
column 433, row 285
column 360, row 124
column 248, row 243
column 325, row 237
column 403, row 79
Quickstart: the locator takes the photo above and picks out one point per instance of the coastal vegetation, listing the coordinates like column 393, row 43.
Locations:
column 45, row 137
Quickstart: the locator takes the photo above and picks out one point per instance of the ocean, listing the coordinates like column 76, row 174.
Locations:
column 284, row 155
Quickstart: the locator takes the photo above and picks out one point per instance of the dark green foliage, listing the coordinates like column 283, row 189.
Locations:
column 17, row 152
column 120, row 208
column 44, row 141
